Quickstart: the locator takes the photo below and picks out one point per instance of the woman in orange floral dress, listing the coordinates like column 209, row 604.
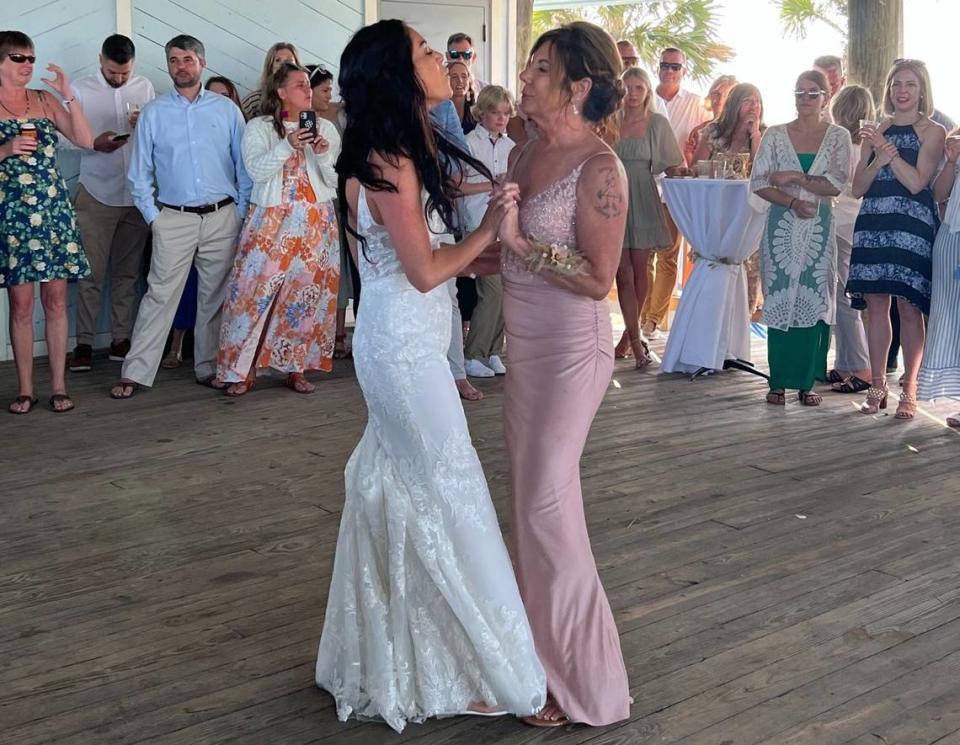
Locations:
column 281, row 303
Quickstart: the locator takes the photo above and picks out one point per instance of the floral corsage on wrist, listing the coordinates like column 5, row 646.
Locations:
column 555, row 257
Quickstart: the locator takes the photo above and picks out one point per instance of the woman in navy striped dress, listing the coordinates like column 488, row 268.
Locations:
column 940, row 373
column 894, row 234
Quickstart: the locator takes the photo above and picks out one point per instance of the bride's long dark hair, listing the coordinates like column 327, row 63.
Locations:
column 386, row 113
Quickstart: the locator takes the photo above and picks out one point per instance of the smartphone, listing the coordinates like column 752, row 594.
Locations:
column 308, row 120
column 121, row 137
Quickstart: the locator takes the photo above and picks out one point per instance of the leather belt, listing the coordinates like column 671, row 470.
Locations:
column 203, row 209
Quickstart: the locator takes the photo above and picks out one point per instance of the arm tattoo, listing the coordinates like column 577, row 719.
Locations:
column 609, row 198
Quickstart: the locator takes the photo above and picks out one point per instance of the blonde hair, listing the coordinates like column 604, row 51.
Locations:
column 490, row 98
column 639, row 72
column 851, row 104
column 919, row 69
column 267, row 71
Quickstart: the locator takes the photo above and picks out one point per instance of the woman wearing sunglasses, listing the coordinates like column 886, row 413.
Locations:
column 894, row 233
column 799, row 168
column 41, row 241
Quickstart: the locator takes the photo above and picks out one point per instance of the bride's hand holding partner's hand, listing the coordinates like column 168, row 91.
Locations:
column 502, row 198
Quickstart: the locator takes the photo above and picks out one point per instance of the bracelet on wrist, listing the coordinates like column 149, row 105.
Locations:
column 791, row 203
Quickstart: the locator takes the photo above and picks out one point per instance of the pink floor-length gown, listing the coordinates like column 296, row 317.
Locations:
column 560, row 351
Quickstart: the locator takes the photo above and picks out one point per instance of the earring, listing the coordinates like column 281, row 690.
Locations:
column 576, row 110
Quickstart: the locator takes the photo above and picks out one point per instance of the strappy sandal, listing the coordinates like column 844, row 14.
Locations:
column 297, row 383
column 648, row 358
column 622, row 351
column 876, row 400
column 59, row 398
column 236, row 390
column 835, row 377
column 777, row 398
column 852, row 384
column 19, row 401
column 907, row 408
column 809, row 398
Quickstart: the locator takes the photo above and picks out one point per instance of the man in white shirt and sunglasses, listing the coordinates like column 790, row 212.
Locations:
column 460, row 49
column 684, row 110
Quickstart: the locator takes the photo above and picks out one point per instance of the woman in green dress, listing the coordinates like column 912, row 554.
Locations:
column 647, row 147
column 39, row 240
column 799, row 168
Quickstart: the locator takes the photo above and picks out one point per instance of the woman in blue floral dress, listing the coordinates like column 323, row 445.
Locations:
column 894, row 234
column 39, row 240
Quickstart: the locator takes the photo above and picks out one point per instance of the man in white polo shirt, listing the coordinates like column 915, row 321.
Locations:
column 685, row 110
column 112, row 229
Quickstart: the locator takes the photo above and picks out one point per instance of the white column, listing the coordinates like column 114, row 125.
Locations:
column 125, row 17
column 371, row 11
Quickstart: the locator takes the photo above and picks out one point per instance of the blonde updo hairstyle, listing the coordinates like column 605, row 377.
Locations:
column 583, row 50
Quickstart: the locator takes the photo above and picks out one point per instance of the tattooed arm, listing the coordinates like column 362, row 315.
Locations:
column 601, row 217
column 601, row 220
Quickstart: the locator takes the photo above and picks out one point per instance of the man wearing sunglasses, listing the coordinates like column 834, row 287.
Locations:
column 460, row 49
column 684, row 110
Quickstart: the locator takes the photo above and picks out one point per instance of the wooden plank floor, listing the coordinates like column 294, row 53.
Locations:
column 779, row 576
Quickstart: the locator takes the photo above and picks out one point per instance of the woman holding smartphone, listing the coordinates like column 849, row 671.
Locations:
column 281, row 302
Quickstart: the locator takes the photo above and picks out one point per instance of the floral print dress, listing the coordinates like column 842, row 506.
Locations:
column 799, row 256
column 281, row 301
column 39, row 239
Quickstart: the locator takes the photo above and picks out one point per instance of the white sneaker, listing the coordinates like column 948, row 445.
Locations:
column 496, row 364
column 476, row 369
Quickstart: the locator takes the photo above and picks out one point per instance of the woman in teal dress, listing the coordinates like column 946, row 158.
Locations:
column 39, row 240
column 799, row 168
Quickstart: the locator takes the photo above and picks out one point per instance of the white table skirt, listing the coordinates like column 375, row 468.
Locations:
column 723, row 225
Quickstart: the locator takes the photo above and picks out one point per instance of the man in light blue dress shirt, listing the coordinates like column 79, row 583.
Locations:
column 187, row 179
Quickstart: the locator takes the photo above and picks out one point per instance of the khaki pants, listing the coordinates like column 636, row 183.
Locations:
column 179, row 240
column 114, row 237
column 661, row 277
column 486, row 326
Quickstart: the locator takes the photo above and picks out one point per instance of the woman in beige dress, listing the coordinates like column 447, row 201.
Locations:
column 647, row 147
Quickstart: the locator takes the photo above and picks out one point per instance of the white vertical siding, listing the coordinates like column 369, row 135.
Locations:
column 237, row 33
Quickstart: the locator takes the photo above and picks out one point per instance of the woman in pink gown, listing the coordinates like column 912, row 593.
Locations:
column 573, row 195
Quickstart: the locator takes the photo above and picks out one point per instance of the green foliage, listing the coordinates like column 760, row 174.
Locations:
column 688, row 25
column 797, row 15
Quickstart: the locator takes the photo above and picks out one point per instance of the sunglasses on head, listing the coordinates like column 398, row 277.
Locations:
column 672, row 66
column 21, row 58
column 457, row 54
column 907, row 60
column 809, row 94
column 319, row 70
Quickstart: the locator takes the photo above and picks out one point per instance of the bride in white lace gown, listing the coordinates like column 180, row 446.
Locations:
column 424, row 617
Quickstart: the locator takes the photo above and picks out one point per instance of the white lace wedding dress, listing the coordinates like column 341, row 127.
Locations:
column 423, row 616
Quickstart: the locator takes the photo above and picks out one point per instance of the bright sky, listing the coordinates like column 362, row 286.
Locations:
column 772, row 63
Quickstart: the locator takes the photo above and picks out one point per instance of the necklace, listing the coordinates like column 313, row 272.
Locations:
column 14, row 113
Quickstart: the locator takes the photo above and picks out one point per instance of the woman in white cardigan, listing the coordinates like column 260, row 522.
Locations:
column 281, row 302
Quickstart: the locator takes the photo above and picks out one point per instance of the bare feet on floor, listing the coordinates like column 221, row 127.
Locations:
column 467, row 391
